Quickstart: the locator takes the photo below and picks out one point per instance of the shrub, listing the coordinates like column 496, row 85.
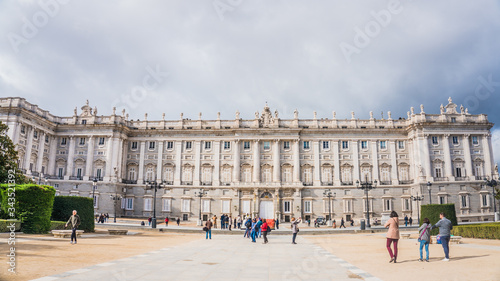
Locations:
column 432, row 212
column 57, row 225
column 5, row 223
column 64, row 206
column 485, row 231
column 32, row 206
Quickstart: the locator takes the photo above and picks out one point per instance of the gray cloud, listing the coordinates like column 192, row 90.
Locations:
column 285, row 52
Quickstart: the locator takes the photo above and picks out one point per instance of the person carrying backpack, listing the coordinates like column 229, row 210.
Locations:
column 248, row 226
column 265, row 230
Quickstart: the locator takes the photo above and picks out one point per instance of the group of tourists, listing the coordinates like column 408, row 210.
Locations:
column 102, row 218
column 408, row 220
column 424, row 237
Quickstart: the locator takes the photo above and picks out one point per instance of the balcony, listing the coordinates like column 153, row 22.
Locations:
column 307, row 183
column 225, row 183
column 327, row 183
column 440, row 179
column 186, row 183
column 346, row 183
column 406, row 182
column 206, row 183
column 78, row 178
column 461, row 178
column 129, row 181
column 385, row 183
column 168, row 182
column 479, row 178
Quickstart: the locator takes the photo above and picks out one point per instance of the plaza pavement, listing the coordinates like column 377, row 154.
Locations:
column 225, row 257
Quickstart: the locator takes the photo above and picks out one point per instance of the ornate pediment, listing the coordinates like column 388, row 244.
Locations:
column 86, row 110
column 266, row 119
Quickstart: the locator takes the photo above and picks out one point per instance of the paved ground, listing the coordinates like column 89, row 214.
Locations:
column 225, row 257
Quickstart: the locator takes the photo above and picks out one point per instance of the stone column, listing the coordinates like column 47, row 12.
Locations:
column 297, row 202
column 336, row 170
column 256, row 201
column 276, row 161
column 71, row 155
column 52, row 155
column 236, row 161
column 197, row 163
column 108, row 174
column 355, row 155
column 447, row 159
column 394, row 165
column 426, row 156
column 256, row 161
column 375, row 175
column 488, row 160
column 216, row 179
column 296, row 161
column 317, row 166
column 29, row 147
column 140, row 178
column 159, row 163
column 41, row 145
column 90, row 159
column 178, row 162
column 468, row 159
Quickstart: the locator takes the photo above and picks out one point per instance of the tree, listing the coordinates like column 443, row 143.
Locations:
column 8, row 158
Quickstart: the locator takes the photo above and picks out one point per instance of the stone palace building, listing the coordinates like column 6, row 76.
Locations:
column 266, row 166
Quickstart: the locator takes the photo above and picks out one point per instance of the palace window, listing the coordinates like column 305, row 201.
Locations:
column 148, row 202
column 170, row 144
column 129, row 203
column 101, row 141
column 266, row 174
column 35, row 134
column 326, row 145
column 455, row 139
column 364, row 144
column 133, row 145
column 246, row 145
column 287, row 174
column 208, row 145
column 287, row 206
column 401, row 144
column 226, row 175
column 464, row 201
column 167, row 205
column 383, row 144
column 484, row 200
column 131, row 173
column 23, row 129
column 247, row 174
column 46, row 139
column 227, row 145
column 306, row 144
column 345, row 145
column 189, row 145
column 387, row 205
column 82, row 141
column 152, row 145
column 169, row 174
column 267, row 145
column 435, row 140
column 186, row 205
column 205, row 206
column 286, row 145
column 63, row 141
column 308, row 207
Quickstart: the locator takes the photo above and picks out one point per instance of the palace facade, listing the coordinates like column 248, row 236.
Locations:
column 266, row 166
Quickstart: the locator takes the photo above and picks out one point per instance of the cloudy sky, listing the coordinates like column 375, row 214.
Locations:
column 227, row 55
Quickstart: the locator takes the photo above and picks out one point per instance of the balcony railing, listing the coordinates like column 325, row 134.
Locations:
column 385, row 183
column 440, row 179
column 327, row 183
column 406, row 182
column 461, row 178
column 186, row 183
column 308, row 183
column 346, row 183
column 76, row 178
column 206, row 183
column 129, row 181
column 479, row 178
column 168, row 183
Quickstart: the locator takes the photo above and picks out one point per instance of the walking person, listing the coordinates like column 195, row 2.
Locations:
column 254, row 230
column 424, row 238
column 295, row 229
column 74, row 220
column 208, row 225
column 258, row 231
column 264, row 230
column 445, row 228
column 410, row 221
column 406, row 220
column 393, row 235
column 248, row 228
column 342, row 223
column 238, row 222
column 222, row 221
column 215, row 221
column 230, row 221
column 178, row 221
column 166, row 221
column 149, row 220
column 277, row 223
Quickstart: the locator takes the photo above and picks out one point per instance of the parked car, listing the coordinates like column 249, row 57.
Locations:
column 321, row 220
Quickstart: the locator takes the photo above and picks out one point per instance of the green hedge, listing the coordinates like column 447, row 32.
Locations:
column 64, row 206
column 484, row 231
column 57, row 225
column 432, row 213
column 32, row 206
column 5, row 223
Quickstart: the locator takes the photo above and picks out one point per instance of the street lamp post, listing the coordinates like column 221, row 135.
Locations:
column 94, row 187
column 492, row 183
column 154, row 185
column 367, row 186
column 200, row 194
column 328, row 193
column 115, row 198
column 429, row 184
column 418, row 199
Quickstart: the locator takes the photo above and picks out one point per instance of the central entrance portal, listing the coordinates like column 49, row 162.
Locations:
column 266, row 209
